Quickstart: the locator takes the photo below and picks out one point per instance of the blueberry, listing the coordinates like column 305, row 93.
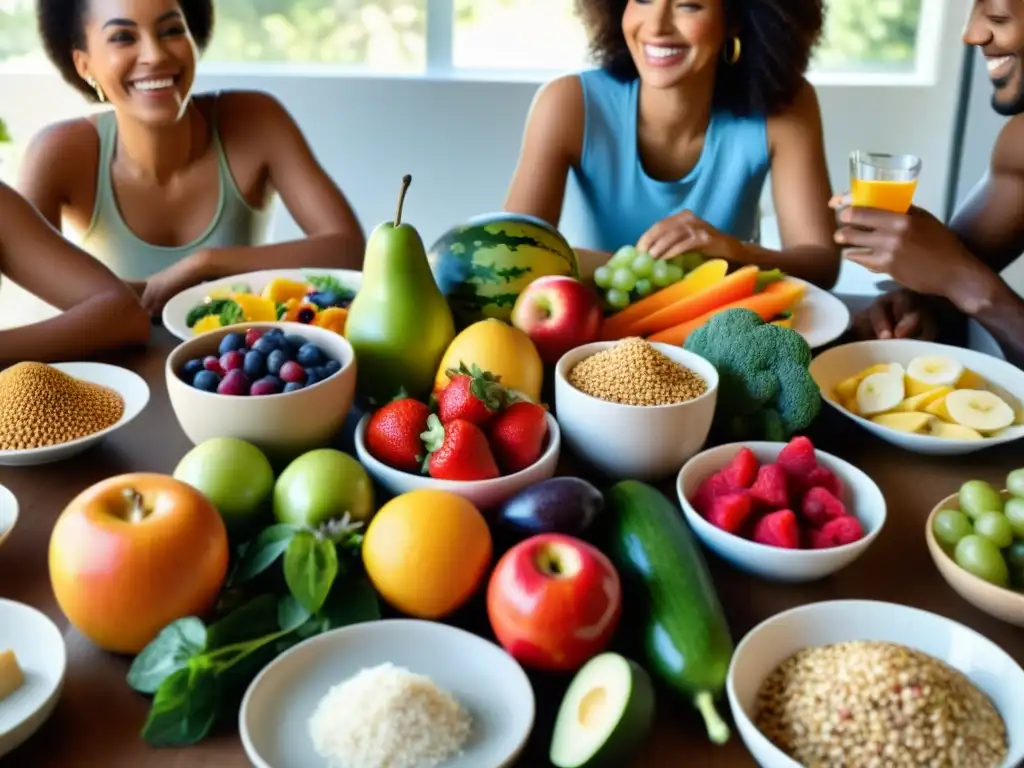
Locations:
column 231, row 342
column 255, row 364
column 275, row 333
column 191, row 368
column 329, row 299
column 331, row 367
column 310, row 356
column 311, row 377
column 295, row 341
column 292, row 386
column 274, row 381
column 315, row 298
column 275, row 360
column 266, row 344
column 206, row 381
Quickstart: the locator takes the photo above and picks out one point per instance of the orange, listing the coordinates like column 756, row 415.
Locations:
column 426, row 552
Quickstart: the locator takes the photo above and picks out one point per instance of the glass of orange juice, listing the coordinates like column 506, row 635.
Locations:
column 879, row 180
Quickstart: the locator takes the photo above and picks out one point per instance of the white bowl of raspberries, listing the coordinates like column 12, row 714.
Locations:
column 782, row 511
column 478, row 440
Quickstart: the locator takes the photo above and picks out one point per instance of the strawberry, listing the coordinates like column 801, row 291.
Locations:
column 393, row 434
column 819, row 477
column 517, row 435
column 771, row 488
column 778, row 529
column 470, row 395
column 820, row 507
column 458, row 451
column 798, row 458
column 710, row 488
column 837, row 532
column 742, row 470
column 730, row 511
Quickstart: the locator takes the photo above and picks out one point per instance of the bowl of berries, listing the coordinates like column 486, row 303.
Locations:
column 475, row 438
column 284, row 387
column 785, row 512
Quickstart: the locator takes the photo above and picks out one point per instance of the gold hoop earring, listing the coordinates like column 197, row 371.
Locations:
column 737, row 49
column 96, row 87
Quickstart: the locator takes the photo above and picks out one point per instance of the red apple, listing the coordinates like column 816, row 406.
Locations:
column 558, row 313
column 554, row 602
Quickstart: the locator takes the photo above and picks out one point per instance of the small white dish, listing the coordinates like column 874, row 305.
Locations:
column 862, row 498
column 774, row 640
column 641, row 442
column 820, row 317
column 834, row 365
column 490, row 684
column 39, row 648
column 129, row 385
column 176, row 310
column 484, row 494
column 8, row 513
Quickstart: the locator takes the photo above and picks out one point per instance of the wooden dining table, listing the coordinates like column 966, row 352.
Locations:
column 97, row 721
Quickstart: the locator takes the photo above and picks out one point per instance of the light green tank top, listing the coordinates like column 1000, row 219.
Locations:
column 111, row 240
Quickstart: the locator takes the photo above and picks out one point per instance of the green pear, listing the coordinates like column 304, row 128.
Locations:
column 400, row 323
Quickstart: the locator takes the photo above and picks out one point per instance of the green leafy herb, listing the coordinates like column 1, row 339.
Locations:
column 207, row 308
column 167, row 654
column 263, row 551
column 281, row 310
column 329, row 284
column 291, row 614
column 310, row 567
column 232, row 313
column 255, row 618
column 184, row 708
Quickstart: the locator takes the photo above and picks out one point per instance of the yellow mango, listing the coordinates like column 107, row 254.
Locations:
column 332, row 319
column 281, row 290
column 256, row 308
column 206, row 324
column 497, row 347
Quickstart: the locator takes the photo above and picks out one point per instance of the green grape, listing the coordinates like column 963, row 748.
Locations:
column 603, row 277
column 690, row 261
column 623, row 257
column 1015, row 483
column 643, row 287
column 623, row 279
column 996, row 528
column 616, row 298
column 978, row 497
column 1015, row 555
column 642, row 265
column 977, row 555
column 951, row 525
column 660, row 274
column 1014, row 511
column 675, row 273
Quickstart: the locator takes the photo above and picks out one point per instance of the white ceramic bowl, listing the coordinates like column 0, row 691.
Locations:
column 862, row 498
column 772, row 641
column 485, row 494
column 484, row 678
column 129, row 385
column 176, row 310
column 39, row 648
column 8, row 513
column 839, row 363
column 634, row 441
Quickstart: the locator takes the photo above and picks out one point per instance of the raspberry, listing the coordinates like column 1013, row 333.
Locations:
column 819, row 477
column 710, row 489
column 742, row 470
column 820, row 507
column 771, row 488
column 837, row 532
column 798, row 458
column 730, row 511
column 778, row 529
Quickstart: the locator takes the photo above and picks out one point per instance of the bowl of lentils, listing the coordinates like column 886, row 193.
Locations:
column 859, row 683
column 635, row 409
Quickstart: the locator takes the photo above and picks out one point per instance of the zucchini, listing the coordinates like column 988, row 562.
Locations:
column 686, row 639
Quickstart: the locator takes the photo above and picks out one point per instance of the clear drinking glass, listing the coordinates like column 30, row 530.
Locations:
column 879, row 180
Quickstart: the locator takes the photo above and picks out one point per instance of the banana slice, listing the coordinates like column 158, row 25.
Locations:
column 847, row 388
column 939, row 428
column 880, row 392
column 979, row 409
column 928, row 372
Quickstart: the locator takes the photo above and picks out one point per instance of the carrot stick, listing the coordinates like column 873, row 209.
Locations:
column 773, row 300
column 708, row 273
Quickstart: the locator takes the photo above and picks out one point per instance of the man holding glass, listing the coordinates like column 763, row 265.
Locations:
column 954, row 268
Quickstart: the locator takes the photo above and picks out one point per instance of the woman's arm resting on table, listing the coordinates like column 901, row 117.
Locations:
column 99, row 312
column 985, row 296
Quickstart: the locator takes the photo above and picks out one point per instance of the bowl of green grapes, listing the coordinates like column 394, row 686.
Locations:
column 976, row 538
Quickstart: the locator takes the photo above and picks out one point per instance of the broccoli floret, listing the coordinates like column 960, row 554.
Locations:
column 764, row 387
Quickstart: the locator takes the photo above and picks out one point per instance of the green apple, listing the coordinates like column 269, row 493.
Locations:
column 233, row 474
column 323, row 485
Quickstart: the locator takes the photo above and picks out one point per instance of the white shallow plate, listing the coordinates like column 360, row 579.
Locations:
column 42, row 656
column 772, row 641
column 488, row 682
column 8, row 514
column 176, row 310
column 832, row 366
column 129, row 385
column 819, row 317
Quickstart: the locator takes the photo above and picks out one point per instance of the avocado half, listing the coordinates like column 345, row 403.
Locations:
column 605, row 716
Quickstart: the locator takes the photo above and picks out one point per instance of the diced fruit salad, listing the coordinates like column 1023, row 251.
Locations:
column 473, row 429
column 319, row 300
column 985, row 536
column 935, row 395
column 256, row 363
column 792, row 504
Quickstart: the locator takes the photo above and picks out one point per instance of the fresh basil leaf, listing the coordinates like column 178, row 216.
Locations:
column 263, row 552
column 254, row 619
column 184, row 708
column 351, row 602
column 310, row 568
column 291, row 614
column 232, row 313
column 167, row 653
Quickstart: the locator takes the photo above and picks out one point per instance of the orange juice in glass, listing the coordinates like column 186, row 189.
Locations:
column 883, row 181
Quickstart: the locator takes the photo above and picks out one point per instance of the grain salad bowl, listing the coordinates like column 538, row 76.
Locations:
column 772, row 641
column 641, row 442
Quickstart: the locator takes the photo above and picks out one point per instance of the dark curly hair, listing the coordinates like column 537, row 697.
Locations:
column 62, row 29
column 777, row 38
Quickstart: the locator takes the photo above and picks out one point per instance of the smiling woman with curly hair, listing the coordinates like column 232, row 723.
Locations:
column 671, row 138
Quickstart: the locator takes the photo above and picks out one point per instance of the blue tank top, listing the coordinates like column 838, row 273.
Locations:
column 621, row 202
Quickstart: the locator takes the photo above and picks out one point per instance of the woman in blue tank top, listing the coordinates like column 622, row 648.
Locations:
column 670, row 141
